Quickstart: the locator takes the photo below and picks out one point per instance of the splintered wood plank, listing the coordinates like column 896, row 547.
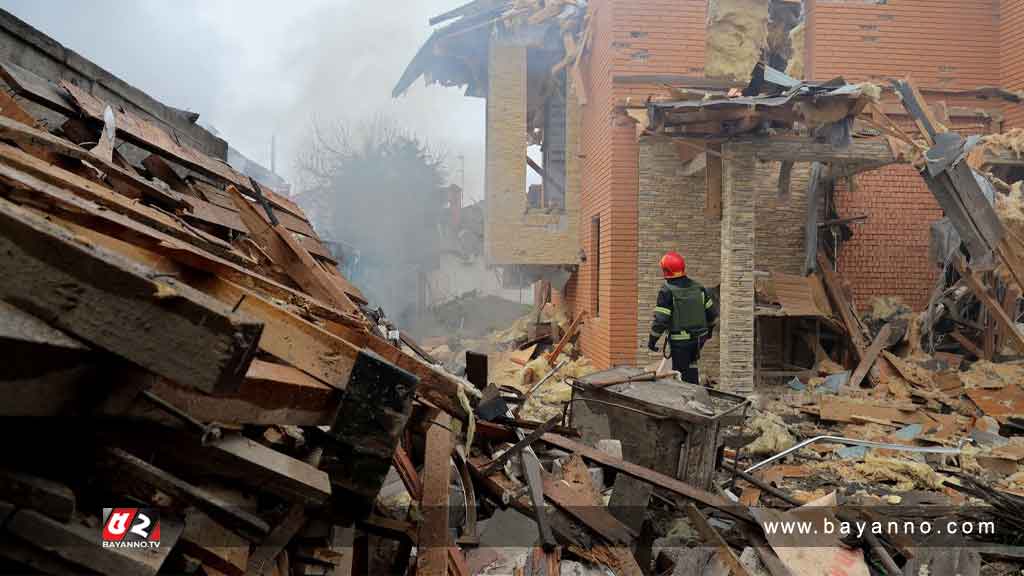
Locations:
column 711, row 536
column 834, row 409
column 437, row 386
column 78, row 543
column 286, row 252
column 967, row 344
column 153, row 138
column 841, row 302
column 289, row 337
column 579, row 506
column 116, row 304
column 18, row 325
column 137, row 471
column 1009, row 327
column 10, row 108
column 282, row 395
column 869, row 357
column 164, row 252
column 157, row 167
column 123, row 181
column 22, row 171
column 646, row 474
column 259, row 467
column 407, row 471
column 51, row 498
column 33, row 87
column 432, row 542
column 619, row 558
column 304, row 345
column 263, row 554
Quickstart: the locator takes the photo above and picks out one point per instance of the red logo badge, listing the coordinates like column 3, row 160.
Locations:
column 131, row 528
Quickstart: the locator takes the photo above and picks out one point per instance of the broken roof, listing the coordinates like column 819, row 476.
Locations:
column 771, row 99
column 456, row 53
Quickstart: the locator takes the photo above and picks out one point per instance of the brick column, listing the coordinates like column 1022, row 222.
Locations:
column 505, row 166
column 736, row 326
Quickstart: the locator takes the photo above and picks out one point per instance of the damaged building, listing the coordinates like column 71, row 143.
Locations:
column 631, row 193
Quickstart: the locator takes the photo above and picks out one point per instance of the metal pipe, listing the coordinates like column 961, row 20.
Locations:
column 854, row 442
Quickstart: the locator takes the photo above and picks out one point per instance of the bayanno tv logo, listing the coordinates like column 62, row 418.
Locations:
column 131, row 528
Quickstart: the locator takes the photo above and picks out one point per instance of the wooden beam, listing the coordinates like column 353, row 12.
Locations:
column 51, row 498
column 870, row 355
column 711, row 536
column 36, row 88
column 286, row 252
column 580, row 507
column 43, row 562
column 22, row 171
column 837, row 293
column 162, row 251
column 285, row 335
column 575, row 473
column 967, row 344
column 257, row 466
column 647, row 475
column 713, row 182
column 814, row 186
column 528, row 440
column 18, row 325
column 158, row 168
column 1008, row 325
column 432, row 543
column 118, row 305
column 120, row 179
column 407, row 471
column 131, row 470
column 10, row 108
column 271, row 394
column 153, row 138
column 261, row 559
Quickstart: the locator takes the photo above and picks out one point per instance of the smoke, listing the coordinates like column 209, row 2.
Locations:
column 258, row 68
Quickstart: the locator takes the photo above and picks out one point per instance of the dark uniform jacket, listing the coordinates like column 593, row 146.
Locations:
column 663, row 312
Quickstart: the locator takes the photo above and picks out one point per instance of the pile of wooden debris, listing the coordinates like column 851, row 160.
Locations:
column 179, row 340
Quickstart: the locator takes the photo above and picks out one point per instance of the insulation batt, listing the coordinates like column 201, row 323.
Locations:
column 736, row 35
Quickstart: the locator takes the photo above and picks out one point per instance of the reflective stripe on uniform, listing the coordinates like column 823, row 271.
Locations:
column 709, row 303
column 662, row 310
column 684, row 335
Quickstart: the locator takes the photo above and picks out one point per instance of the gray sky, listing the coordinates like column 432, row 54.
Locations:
column 253, row 68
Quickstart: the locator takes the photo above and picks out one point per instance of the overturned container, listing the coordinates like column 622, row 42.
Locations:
column 669, row 426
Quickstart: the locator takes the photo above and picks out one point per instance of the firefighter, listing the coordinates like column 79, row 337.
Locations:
column 686, row 311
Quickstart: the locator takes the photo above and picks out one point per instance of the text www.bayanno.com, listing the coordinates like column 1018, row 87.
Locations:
column 860, row 528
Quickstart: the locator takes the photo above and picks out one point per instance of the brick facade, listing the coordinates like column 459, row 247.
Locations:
column 630, row 37
column 515, row 234
column 1011, row 56
column 887, row 255
column 645, row 204
column 941, row 43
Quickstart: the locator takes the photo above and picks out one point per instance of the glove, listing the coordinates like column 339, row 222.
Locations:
column 652, row 343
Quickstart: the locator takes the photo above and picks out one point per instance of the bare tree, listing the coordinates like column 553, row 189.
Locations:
column 376, row 189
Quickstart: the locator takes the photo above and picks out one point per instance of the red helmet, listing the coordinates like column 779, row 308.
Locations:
column 673, row 265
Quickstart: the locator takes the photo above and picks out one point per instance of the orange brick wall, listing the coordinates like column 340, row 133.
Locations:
column 940, row 43
column 630, row 37
column 1011, row 56
column 888, row 255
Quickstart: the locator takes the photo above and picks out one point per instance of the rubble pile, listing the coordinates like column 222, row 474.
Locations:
column 191, row 386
